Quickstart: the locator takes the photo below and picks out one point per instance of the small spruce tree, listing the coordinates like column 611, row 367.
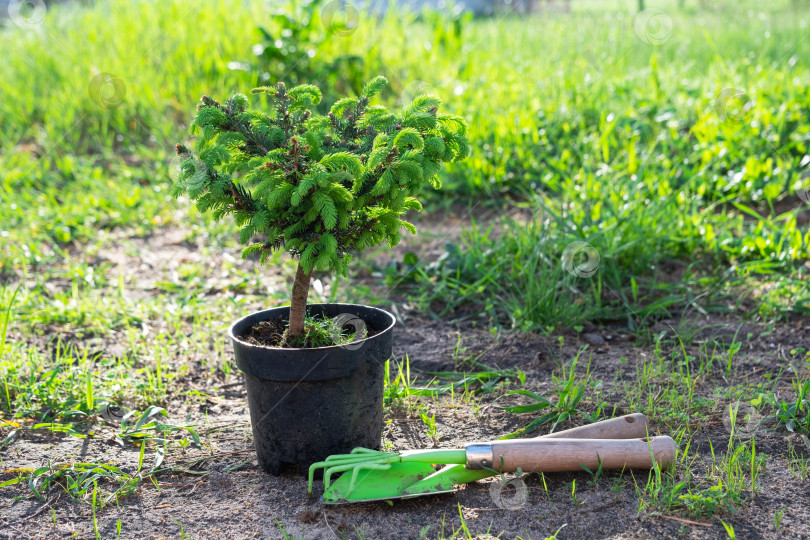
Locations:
column 317, row 187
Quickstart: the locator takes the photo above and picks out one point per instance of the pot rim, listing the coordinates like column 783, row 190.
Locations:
column 241, row 343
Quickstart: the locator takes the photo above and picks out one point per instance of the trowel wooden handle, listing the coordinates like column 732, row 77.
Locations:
column 557, row 455
column 629, row 426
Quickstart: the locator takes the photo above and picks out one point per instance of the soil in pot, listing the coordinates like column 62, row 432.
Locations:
column 320, row 332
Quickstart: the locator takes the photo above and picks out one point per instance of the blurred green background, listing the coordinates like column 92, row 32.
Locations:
column 672, row 140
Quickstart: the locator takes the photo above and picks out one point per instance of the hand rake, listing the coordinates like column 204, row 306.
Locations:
column 372, row 475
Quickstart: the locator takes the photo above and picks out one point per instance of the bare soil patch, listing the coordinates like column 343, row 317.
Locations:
column 219, row 491
column 228, row 496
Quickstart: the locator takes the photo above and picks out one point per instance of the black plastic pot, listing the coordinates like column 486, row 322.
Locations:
column 306, row 404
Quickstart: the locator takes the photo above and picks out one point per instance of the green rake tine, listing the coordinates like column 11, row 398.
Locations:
column 361, row 450
column 344, row 462
column 328, row 462
column 355, row 452
column 368, row 466
column 358, row 454
column 356, row 458
column 311, row 478
column 327, row 474
column 358, row 461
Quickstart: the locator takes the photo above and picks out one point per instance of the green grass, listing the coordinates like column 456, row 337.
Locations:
column 794, row 415
column 569, row 389
column 720, row 491
column 400, row 385
column 628, row 141
column 80, row 481
column 323, row 332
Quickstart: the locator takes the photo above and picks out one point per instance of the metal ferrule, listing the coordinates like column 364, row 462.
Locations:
column 479, row 456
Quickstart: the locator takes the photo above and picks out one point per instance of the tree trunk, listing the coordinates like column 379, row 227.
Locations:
column 298, row 306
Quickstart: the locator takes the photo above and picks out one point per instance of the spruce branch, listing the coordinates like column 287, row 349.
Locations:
column 319, row 188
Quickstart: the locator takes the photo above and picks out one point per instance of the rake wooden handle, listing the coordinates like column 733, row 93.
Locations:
column 629, row 426
column 558, row 455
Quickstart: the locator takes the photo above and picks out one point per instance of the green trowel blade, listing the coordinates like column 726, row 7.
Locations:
column 445, row 480
column 375, row 485
column 402, row 480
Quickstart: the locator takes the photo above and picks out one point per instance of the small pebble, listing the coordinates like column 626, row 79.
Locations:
column 594, row 339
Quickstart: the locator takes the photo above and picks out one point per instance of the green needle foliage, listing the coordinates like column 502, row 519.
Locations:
column 318, row 187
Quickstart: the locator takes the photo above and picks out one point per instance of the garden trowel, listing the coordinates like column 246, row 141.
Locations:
column 371, row 475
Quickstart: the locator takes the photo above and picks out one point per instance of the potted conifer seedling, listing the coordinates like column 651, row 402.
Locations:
column 319, row 188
